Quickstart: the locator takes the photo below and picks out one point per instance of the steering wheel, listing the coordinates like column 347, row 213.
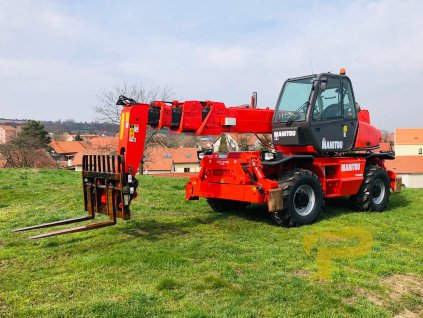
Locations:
column 333, row 110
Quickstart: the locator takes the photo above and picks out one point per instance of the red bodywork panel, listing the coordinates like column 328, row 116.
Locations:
column 245, row 119
column 236, row 177
column 368, row 136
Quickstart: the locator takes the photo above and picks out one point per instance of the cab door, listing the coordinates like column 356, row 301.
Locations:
column 327, row 122
column 349, row 114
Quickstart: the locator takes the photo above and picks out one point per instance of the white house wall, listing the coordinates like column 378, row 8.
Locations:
column 412, row 180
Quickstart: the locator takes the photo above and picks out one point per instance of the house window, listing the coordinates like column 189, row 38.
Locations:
column 187, row 155
column 167, row 155
column 420, row 151
column 186, row 169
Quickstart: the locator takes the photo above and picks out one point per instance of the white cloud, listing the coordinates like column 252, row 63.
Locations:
column 73, row 56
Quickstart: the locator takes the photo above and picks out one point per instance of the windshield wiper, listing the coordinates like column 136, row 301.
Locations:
column 296, row 113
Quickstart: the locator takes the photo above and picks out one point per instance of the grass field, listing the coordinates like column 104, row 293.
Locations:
column 181, row 259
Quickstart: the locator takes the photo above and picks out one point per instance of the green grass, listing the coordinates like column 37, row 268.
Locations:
column 181, row 259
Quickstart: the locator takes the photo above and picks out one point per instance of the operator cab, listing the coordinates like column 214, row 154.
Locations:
column 316, row 110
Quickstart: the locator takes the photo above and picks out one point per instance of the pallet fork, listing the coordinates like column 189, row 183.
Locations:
column 107, row 190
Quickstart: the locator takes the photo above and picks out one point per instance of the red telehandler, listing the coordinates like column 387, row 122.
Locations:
column 323, row 148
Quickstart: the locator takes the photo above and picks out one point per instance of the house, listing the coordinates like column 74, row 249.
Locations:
column 409, row 142
column 96, row 146
column 64, row 151
column 171, row 160
column 408, row 161
column 410, row 168
column 238, row 142
column 105, row 143
column 77, row 159
column 7, row 133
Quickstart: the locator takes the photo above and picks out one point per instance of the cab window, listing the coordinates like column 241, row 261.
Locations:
column 348, row 100
column 328, row 103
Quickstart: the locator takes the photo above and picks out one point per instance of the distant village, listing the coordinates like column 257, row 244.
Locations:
column 179, row 153
column 170, row 153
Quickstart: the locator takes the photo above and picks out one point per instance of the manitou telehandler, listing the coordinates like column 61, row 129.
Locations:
column 323, row 148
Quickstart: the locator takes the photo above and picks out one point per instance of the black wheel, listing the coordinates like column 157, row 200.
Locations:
column 302, row 198
column 374, row 192
column 223, row 205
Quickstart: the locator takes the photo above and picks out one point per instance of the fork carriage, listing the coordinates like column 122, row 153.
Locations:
column 107, row 189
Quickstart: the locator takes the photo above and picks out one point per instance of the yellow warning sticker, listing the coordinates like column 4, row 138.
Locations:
column 345, row 131
column 132, row 134
column 122, row 126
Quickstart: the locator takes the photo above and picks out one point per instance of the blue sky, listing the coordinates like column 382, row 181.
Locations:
column 57, row 56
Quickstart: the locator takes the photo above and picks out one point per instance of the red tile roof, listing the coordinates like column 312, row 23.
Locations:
column 406, row 164
column 104, row 142
column 69, row 147
column 409, row 136
column 8, row 128
column 162, row 159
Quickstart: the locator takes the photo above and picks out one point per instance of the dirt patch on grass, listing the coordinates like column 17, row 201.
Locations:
column 6, row 263
column 407, row 314
column 398, row 287
column 302, row 273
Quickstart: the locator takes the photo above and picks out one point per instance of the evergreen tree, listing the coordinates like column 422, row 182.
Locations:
column 28, row 148
column 223, row 147
column 77, row 137
column 33, row 136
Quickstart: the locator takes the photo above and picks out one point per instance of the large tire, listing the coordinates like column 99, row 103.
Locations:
column 302, row 198
column 223, row 205
column 374, row 192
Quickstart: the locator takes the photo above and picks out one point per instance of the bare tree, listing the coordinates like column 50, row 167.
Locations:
column 387, row 136
column 109, row 112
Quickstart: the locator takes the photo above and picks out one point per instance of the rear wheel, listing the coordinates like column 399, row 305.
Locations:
column 374, row 192
column 302, row 198
column 224, row 205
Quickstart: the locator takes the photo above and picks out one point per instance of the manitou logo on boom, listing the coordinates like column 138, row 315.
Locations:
column 350, row 167
column 326, row 144
column 284, row 133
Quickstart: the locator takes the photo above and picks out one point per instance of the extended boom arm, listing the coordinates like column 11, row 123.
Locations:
column 200, row 118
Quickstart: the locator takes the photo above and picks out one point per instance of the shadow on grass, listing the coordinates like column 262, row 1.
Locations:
column 153, row 230
column 339, row 206
column 156, row 230
column 254, row 212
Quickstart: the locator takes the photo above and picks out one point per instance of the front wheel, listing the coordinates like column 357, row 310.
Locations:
column 302, row 198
